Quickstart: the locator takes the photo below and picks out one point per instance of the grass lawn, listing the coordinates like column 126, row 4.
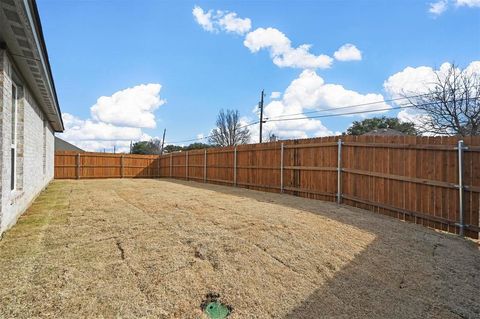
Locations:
column 162, row 248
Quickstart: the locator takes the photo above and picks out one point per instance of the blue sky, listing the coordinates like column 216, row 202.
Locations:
column 98, row 48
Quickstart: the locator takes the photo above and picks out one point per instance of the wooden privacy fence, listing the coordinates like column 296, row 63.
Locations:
column 433, row 181
column 73, row 165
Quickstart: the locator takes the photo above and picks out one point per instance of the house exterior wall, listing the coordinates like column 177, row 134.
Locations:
column 35, row 147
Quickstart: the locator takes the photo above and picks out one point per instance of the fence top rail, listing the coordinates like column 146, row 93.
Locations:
column 150, row 157
column 311, row 145
column 242, row 149
column 110, row 155
column 472, row 149
column 215, row 151
column 401, row 145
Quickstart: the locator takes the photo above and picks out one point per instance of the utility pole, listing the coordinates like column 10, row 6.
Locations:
column 260, row 105
column 130, row 147
column 163, row 140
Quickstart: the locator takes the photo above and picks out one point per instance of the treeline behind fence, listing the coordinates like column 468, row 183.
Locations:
column 433, row 181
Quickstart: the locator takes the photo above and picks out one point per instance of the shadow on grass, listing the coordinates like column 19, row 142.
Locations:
column 407, row 271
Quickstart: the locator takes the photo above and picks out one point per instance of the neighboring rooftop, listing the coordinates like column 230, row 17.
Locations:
column 61, row 145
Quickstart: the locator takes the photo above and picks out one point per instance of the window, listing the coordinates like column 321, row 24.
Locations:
column 13, row 148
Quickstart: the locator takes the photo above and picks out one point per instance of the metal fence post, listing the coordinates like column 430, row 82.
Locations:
column 460, row 187
column 186, row 165
column 281, row 167
column 205, row 167
column 171, row 163
column 78, row 166
column 339, row 172
column 235, row 166
column 121, row 167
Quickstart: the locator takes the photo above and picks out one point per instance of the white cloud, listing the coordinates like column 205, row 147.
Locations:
column 468, row 3
column 415, row 81
column 473, row 68
column 439, row 7
column 93, row 136
column 107, row 146
column 348, row 52
column 203, row 18
column 270, row 38
column 115, row 120
column 419, row 80
column 275, row 95
column 131, row 107
column 282, row 52
column 221, row 21
column 280, row 47
column 77, row 129
column 309, row 92
column 231, row 23
column 410, row 81
column 409, row 115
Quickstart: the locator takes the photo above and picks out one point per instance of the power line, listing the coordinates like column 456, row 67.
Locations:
column 202, row 138
column 367, row 111
column 405, row 106
column 342, row 114
column 349, row 106
column 293, row 119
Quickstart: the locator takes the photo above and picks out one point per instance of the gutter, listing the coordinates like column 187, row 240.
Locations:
column 35, row 22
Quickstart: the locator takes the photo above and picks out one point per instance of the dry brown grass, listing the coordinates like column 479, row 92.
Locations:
column 156, row 248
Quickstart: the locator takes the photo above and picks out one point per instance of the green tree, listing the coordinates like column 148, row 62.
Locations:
column 194, row 146
column 197, row 146
column 172, row 148
column 146, row 147
column 367, row 125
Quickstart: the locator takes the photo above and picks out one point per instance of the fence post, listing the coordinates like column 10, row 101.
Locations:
column 281, row 167
column 186, row 165
column 339, row 172
column 171, row 158
column 235, row 166
column 78, row 166
column 460, row 187
column 122, row 174
column 205, row 167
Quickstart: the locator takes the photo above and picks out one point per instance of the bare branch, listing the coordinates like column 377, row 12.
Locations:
column 229, row 131
column 452, row 105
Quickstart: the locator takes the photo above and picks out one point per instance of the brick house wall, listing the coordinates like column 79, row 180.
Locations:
column 35, row 146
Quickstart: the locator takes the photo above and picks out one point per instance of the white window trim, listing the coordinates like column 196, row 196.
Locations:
column 13, row 144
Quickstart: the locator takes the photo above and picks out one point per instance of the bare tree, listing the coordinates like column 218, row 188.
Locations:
column 229, row 131
column 452, row 103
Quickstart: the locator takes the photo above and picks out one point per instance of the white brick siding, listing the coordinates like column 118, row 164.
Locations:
column 32, row 145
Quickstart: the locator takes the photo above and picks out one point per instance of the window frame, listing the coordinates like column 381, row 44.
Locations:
column 13, row 142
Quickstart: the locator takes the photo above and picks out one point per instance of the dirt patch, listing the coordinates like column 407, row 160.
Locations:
column 156, row 248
